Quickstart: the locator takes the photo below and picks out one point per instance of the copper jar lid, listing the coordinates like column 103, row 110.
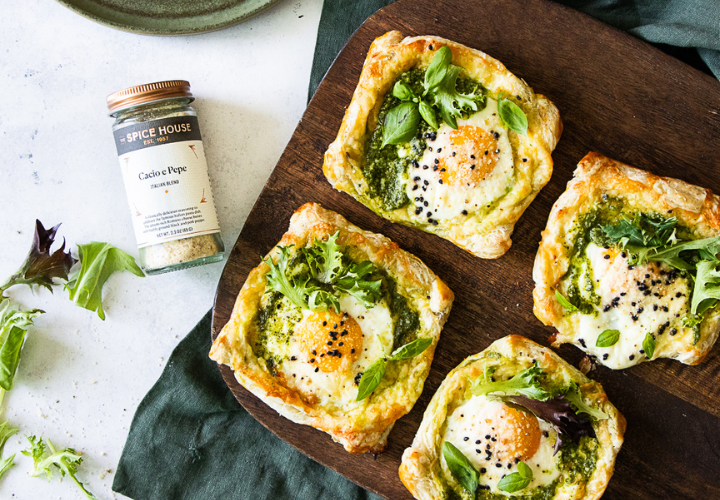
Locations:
column 140, row 94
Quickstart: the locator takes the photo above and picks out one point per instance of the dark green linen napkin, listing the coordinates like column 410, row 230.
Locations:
column 190, row 439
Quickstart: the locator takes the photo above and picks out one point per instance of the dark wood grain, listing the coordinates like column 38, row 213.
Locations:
column 618, row 96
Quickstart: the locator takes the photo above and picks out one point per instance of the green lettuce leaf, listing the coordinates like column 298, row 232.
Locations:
column 47, row 459
column 98, row 261
column 13, row 328
column 525, row 383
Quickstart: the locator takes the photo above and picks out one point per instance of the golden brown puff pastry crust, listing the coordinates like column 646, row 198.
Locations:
column 422, row 471
column 359, row 426
column 487, row 233
column 596, row 177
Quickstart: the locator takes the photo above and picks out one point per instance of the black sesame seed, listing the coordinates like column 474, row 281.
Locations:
column 497, row 151
column 440, row 181
column 486, row 152
column 496, row 135
column 425, row 204
column 582, row 342
column 546, row 433
column 340, row 344
column 472, row 167
column 415, row 164
column 414, row 187
column 483, row 471
column 477, row 441
column 426, row 182
column 606, row 256
column 606, row 356
column 472, row 156
column 329, row 342
column 437, row 161
column 524, row 160
column 430, row 47
column 673, row 331
column 487, row 436
column 314, row 352
column 418, row 210
column 324, row 323
column 498, row 465
column 425, row 167
column 464, row 212
column 466, row 438
column 631, row 357
column 416, row 178
column 435, row 168
column 453, row 153
column 293, row 358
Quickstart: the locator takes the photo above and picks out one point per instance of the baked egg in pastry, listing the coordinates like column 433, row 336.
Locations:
column 336, row 329
column 515, row 420
column 627, row 266
column 444, row 138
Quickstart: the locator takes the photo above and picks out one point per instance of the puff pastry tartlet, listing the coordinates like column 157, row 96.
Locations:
column 330, row 303
column 625, row 266
column 515, row 419
column 468, row 169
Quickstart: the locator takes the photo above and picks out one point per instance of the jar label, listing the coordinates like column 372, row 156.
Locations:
column 166, row 180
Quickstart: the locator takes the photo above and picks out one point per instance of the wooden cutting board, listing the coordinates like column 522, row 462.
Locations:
column 616, row 95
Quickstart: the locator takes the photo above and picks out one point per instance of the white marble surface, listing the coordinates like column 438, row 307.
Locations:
column 81, row 379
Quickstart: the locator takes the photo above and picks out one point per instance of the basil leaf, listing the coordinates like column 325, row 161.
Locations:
column 370, row 379
column 401, row 123
column 98, row 261
column 649, row 345
column 438, row 68
column 565, row 302
column 512, row 116
column 608, row 338
column 428, row 114
column 517, row 480
column 402, row 91
column 460, row 467
column 411, row 349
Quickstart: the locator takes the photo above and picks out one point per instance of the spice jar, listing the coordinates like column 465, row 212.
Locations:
column 166, row 180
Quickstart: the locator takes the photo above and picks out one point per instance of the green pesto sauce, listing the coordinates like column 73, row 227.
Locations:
column 385, row 172
column 578, row 460
column 546, row 492
column 406, row 321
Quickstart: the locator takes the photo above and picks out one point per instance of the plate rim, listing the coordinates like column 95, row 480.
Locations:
column 141, row 30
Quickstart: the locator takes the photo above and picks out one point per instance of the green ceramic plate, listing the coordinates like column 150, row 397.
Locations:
column 168, row 17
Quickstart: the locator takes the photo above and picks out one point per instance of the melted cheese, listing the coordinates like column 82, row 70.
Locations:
column 635, row 300
column 462, row 171
column 494, row 437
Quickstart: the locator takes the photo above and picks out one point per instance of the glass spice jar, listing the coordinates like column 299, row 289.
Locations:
column 166, row 180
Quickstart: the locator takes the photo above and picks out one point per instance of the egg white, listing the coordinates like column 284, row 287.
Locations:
column 469, row 421
column 336, row 389
column 626, row 306
column 438, row 201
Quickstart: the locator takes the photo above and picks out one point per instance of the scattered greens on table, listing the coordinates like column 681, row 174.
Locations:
column 84, row 279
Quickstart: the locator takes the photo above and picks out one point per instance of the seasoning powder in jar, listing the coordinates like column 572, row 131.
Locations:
column 166, row 180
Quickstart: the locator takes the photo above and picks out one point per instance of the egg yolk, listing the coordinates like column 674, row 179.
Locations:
column 471, row 156
column 518, row 434
column 331, row 342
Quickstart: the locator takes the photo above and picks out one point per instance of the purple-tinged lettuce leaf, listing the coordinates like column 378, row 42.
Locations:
column 41, row 266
